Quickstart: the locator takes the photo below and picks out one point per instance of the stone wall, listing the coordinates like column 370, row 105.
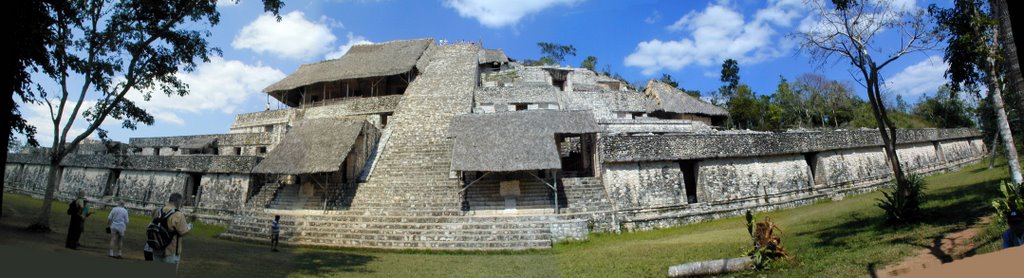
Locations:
column 960, row 150
column 742, row 178
column 647, row 184
column 354, row 106
column 27, row 178
column 149, row 187
column 223, row 191
column 645, row 196
column 916, row 156
column 722, row 144
column 839, row 167
column 92, row 180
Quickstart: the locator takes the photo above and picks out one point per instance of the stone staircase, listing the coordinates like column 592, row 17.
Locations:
column 288, row 197
column 420, row 230
column 412, row 172
column 265, row 195
column 585, row 195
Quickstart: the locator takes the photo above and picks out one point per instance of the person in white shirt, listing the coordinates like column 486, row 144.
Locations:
column 118, row 220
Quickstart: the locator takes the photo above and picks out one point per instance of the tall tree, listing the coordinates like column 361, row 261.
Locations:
column 730, row 76
column 973, row 54
column 116, row 48
column 589, row 63
column 556, row 52
column 848, row 28
column 944, row 109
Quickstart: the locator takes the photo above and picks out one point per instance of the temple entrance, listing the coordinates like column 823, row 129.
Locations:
column 511, row 192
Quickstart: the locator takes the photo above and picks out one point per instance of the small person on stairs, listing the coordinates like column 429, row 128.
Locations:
column 275, row 232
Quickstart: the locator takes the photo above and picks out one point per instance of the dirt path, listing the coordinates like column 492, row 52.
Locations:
column 951, row 247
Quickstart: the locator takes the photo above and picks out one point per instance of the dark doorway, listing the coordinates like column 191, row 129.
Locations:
column 812, row 163
column 192, row 189
column 112, row 182
column 689, row 169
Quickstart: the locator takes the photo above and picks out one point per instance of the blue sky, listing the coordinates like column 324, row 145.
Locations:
column 639, row 39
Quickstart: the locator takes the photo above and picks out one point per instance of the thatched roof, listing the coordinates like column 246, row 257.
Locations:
column 673, row 100
column 487, row 56
column 199, row 143
column 313, row 146
column 361, row 61
column 514, row 141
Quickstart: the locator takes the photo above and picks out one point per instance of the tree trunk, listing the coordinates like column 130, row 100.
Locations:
column 7, row 108
column 995, row 88
column 1004, row 131
column 888, row 135
column 42, row 222
column 992, row 157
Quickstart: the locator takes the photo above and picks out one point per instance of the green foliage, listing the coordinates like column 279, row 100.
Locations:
column 968, row 28
column 864, row 119
column 902, row 205
column 555, row 53
column 667, row 79
column 731, row 77
column 943, row 110
column 1012, row 199
column 589, row 63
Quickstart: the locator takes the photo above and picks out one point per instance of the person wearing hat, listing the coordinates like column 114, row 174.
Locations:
column 1014, row 235
column 118, row 221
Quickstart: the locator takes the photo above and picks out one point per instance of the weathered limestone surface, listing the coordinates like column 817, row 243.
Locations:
column 916, row 156
column 26, row 177
column 698, row 146
column 149, row 187
column 354, row 106
column 648, row 184
column 959, row 150
column 741, row 178
column 92, row 180
column 223, row 191
column 844, row 166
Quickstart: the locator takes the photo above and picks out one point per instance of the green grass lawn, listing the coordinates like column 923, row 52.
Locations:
column 828, row 239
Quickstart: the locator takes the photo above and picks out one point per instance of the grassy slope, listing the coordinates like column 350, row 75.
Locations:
column 841, row 238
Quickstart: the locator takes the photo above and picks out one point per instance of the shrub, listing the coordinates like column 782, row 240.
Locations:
column 902, row 205
column 1013, row 199
column 767, row 244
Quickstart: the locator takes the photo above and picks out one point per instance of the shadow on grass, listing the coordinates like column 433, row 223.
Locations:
column 959, row 206
column 320, row 263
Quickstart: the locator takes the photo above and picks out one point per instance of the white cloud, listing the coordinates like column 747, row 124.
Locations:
column 219, row 86
column 718, row 33
column 352, row 40
column 293, row 37
column 917, row 79
column 497, row 13
column 227, row 3
column 38, row 115
column 653, row 18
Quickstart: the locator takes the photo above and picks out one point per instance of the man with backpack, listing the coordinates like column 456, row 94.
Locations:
column 164, row 234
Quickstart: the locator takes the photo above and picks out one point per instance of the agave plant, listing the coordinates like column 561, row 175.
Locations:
column 902, row 205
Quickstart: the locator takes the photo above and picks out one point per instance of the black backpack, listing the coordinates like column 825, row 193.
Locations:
column 158, row 233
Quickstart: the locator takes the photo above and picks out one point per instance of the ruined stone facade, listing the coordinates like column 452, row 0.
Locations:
column 656, row 158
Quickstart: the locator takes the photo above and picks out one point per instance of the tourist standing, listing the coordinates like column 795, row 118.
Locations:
column 275, row 232
column 178, row 227
column 79, row 210
column 118, row 221
column 1014, row 235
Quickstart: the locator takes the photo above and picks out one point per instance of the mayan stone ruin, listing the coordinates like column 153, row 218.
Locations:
column 419, row 145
